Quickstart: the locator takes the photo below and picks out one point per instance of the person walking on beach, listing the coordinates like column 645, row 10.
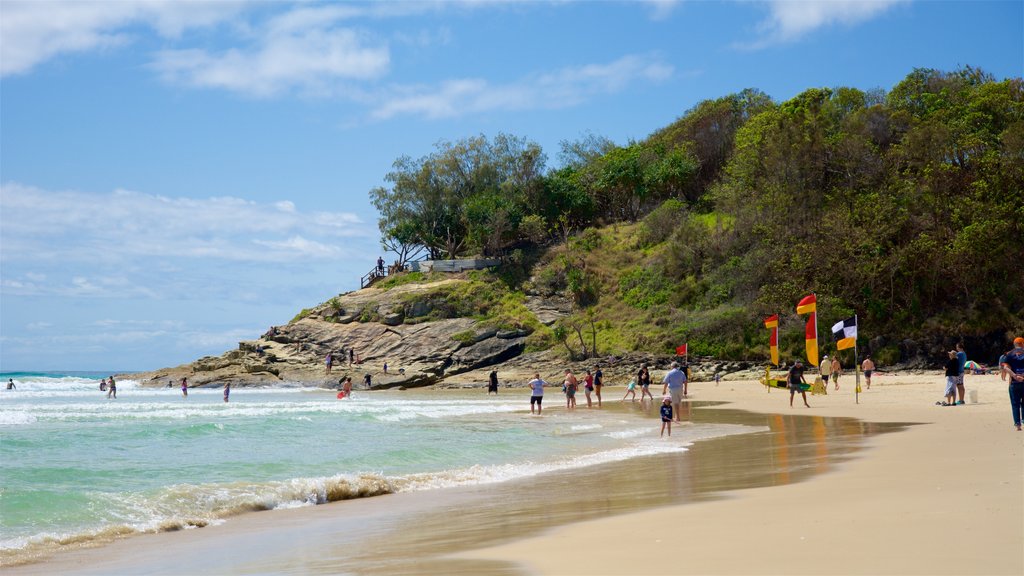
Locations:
column 492, row 382
column 951, row 373
column 961, row 357
column 537, row 393
column 571, row 385
column 794, row 378
column 111, row 388
column 643, row 378
column 630, row 389
column 718, row 378
column 674, row 384
column 598, row 383
column 588, row 387
column 328, row 361
column 368, row 381
column 837, row 371
column 10, row 384
column 1013, row 364
column 869, row 368
column 184, row 386
column 227, row 391
column 666, row 415
column 825, row 369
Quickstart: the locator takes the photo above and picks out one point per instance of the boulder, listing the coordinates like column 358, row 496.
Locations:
column 485, row 353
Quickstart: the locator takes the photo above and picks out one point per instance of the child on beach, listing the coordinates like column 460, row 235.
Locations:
column 666, row 415
column 630, row 389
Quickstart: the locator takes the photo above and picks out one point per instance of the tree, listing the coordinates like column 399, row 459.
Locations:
column 428, row 198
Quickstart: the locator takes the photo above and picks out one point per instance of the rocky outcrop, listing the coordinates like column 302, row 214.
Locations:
column 403, row 327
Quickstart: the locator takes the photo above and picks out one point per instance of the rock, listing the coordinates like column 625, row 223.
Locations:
column 419, row 309
column 507, row 334
column 486, row 353
column 548, row 310
column 393, row 318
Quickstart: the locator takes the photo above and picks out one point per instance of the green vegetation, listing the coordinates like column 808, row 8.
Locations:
column 302, row 314
column 901, row 207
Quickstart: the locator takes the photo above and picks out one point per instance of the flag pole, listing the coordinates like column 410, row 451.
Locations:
column 856, row 362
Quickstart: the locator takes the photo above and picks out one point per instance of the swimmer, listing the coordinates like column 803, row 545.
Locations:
column 184, row 387
column 10, row 384
column 227, row 390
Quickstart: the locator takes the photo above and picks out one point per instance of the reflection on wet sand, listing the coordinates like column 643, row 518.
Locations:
column 791, row 450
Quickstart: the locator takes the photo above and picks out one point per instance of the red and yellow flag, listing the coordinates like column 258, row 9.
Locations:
column 811, row 335
column 772, row 323
column 809, row 305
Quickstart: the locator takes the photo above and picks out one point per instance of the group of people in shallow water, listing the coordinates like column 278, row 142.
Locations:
column 674, row 389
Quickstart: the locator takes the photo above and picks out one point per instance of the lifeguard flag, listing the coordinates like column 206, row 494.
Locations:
column 808, row 304
column 681, row 350
column 845, row 333
column 812, row 339
column 772, row 323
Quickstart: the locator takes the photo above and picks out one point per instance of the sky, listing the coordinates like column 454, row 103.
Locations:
column 178, row 176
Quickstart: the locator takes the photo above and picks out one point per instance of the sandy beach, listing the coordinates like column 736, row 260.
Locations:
column 893, row 485
column 942, row 497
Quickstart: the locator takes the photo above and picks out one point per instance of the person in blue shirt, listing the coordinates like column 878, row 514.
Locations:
column 1013, row 364
column 961, row 358
column 666, row 415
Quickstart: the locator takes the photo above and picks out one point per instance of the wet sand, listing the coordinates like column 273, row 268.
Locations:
column 942, row 497
column 431, row 532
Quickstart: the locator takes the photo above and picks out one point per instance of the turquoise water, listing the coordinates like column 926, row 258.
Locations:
column 78, row 467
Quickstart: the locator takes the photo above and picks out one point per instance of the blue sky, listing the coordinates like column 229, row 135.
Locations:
column 178, row 176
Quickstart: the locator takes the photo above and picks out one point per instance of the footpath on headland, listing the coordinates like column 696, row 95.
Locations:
column 943, row 497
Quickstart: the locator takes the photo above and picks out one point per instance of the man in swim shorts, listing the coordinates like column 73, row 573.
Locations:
column 868, row 367
column 537, row 392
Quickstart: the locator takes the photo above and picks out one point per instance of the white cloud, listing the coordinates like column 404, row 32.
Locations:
column 661, row 9
column 560, row 89
column 43, row 226
column 790, row 20
column 301, row 49
column 32, row 32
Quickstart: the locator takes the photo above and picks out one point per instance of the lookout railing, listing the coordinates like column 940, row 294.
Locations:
column 459, row 265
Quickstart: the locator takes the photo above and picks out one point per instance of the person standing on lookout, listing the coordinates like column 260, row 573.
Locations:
column 380, row 266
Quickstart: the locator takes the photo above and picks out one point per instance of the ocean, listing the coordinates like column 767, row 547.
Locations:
column 79, row 469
